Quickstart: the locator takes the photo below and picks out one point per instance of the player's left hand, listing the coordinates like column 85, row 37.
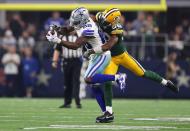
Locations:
column 53, row 37
column 87, row 54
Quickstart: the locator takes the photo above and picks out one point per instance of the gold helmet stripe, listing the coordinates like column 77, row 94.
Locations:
column 110, row 11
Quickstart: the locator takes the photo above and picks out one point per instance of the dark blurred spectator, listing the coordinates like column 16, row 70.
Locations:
column 2, row 82
column 11, row 62
column 30, row 68
column 139, row 23
column 17, row 25
column 179, row 32
column 54, row 20
column 1, row 32
column 156, row 17
column 130, row 29
column 177, row 39
column 132, row 39
column 123, row 23
column 2, row 77
column 150, row 29
column 176, row 43
column 185, row 26
column 8, row 39
column 138, row 26
column 172, row 67
column 31, row 29
column 25, row 41
column 150, row 25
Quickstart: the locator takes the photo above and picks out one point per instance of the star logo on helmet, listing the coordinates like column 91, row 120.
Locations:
column 81, row 14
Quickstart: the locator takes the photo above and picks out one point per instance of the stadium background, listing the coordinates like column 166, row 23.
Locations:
column 165, row 33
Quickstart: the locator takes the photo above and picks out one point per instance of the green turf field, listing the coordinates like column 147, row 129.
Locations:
column 131, row 115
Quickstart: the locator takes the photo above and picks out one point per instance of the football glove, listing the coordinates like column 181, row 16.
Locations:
column 87, row 54
column 53, row 37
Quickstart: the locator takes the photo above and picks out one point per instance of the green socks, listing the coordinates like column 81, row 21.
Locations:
column 153, row 76
column 108, row 93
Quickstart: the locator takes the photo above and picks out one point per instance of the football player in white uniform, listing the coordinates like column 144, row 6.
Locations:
column 88, row 33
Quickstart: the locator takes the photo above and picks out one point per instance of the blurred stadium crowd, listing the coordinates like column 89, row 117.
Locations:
column 23, row 46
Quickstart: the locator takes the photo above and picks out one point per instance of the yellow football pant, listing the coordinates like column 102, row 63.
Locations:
column 126, row 61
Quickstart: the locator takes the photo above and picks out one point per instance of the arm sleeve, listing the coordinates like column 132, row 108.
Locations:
column 117, row 29
column 117, row 32
column 17, row 59
column 58, row 47
column 4, row 59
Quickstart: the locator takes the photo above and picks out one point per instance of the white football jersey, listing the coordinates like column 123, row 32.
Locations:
column 91, row 30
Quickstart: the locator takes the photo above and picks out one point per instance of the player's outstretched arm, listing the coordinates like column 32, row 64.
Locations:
column 105, row 47
column 74, row 45
column 65, row 30
column 110, row 43
column 53, row 37
column 62, row 30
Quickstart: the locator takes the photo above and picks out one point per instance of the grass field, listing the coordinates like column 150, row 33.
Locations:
column 132, row 115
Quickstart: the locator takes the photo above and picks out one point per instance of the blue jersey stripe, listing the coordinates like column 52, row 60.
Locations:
column 89, row 30
column 88, row 33
column 102, row 36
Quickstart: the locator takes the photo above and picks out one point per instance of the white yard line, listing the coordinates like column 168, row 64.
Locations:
column 101, row 127
column 177, row 119
column 6, row 116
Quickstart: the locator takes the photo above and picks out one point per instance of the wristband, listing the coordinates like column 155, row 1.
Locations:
column 54, row 61
column 58, row 41
column 98, row 49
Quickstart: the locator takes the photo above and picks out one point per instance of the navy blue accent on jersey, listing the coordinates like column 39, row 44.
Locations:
column 88, row 33
column 87, row 25
column 102, row 36
column 86, row 47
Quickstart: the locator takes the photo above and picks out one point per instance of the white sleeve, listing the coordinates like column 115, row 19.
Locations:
column 20, row 42
column 5, row 59
column 17, row 59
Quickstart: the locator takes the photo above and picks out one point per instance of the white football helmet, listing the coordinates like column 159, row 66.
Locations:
column 79, row 17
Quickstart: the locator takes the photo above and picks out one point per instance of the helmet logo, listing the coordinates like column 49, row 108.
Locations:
column 79, row 17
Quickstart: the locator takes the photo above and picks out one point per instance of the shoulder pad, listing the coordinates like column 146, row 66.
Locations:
column 117, row 29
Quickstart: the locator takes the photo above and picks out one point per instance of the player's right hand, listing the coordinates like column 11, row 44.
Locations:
column 53, row 37
column 86, row 55
column 54, row 64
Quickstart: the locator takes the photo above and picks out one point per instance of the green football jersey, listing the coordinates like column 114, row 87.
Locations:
column 116, row 29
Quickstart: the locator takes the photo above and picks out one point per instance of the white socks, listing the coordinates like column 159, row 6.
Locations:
column 109, row 109
column 116, row 77
column 164, row 82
